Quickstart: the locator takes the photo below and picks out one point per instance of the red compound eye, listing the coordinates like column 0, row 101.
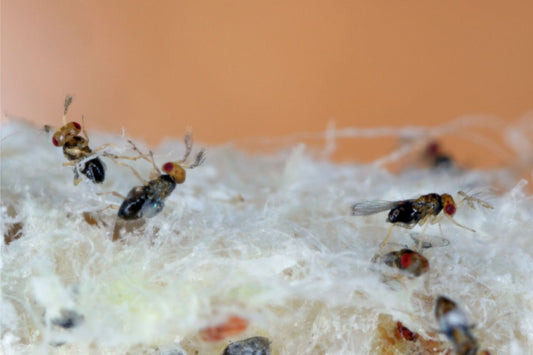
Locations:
column 406, row 260
column 55, row 142
column 77, row 125
column 449, row 209
column 167, row 168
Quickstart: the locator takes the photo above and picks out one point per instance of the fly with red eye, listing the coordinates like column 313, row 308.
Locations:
column 76, row 148
column 408, row 261
column 147, row 200
column 419, row 211
column 436, row 158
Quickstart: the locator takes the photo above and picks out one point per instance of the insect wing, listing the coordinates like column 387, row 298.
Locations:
column 366, row 208
column 429, row 241
column 152, row 207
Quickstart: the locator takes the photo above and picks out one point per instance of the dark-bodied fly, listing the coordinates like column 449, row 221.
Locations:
column 419, row 211
column 147, row 200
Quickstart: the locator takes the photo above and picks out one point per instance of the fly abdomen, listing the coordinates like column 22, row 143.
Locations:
column 94, row 170
column 404, row 213
column 132, row 205
column 140, row 202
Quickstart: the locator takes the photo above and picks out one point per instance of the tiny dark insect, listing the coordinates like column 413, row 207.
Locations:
column 436, row 158
column 250, row 346
column 68, row 319
column 76, row 148
column 148, row 200
column 453, row 323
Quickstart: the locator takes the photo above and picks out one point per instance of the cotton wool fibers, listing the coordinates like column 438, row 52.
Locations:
column 268, row 238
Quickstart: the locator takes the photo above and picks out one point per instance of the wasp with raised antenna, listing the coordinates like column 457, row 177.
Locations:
column 147, row 200
column 76, row 148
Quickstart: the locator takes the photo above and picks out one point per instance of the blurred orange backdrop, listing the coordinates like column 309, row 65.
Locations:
column 233, row 69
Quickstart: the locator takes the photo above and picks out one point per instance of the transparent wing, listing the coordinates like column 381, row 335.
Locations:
column 366, row 208
column 429, row 241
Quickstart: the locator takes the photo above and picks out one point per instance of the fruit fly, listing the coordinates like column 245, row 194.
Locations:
column 250, row 346
column 453, row 323
column 408, row 261
column 76, row 148
column 409, row 213
column 148, row 200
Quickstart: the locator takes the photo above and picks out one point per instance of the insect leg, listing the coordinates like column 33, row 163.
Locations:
column 114, row 193
column 384, row 242
column 460, row 225
column 422, row 237
column 110, row 207
column 135, row 172
column 104, row 146
column 148, row 157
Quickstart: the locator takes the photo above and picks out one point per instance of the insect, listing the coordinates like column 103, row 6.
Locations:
column 231, row 327
column 148, row 200
column 76, row 148
column 407, row 260
column 250, row 346
column 68, row 319
column 424, row 209
column 435, row 157
column 453, row 323
column 402, row 332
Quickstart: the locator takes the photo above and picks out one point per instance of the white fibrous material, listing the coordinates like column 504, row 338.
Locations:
column 267, row 238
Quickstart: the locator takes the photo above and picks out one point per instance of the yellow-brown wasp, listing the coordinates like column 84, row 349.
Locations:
column 76, row 148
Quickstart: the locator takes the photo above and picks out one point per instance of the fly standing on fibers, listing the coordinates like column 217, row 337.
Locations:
column 76, row 148
column 408, row 261
column 453, row 323
column 148, row 200
column 425, row 209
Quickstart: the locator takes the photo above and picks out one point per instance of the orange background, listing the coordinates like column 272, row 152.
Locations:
column 246, row 68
